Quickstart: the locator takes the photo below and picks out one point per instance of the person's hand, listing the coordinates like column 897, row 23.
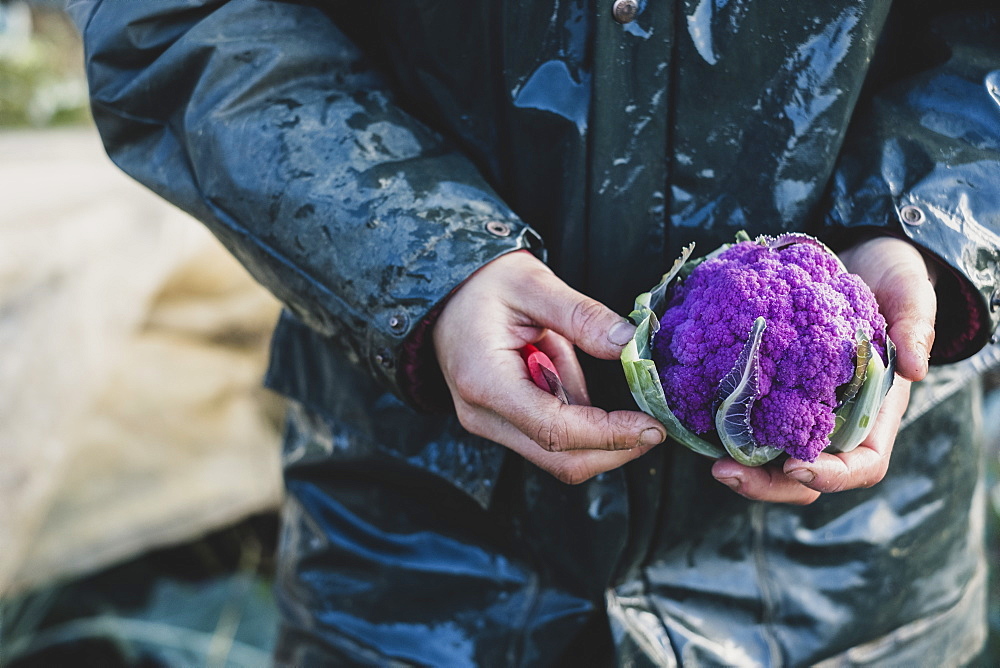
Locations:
column 512, row 301
column 903, row 285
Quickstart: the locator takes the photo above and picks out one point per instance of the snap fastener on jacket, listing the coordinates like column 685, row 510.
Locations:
column 496, row 228
column 995, row 300
column 384, row 359
column 397, row 323
column 912, row 215
column 624, row 11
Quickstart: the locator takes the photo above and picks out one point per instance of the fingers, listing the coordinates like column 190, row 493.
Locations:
column 586, row 322
column 556, row 427
column 487, row 404
column 914, row 338
column 573, row 443
column 572, row 467
column 764, row 483
column 799, row 482
column 902, row 284
column 508, row 303
column 867, row 464
column 909, row 304
column 577, row 467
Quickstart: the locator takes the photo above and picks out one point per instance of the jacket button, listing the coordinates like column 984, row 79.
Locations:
column 498, row 229
column 912, row 215
column 384, row 359
column 625, row 11
column 397, row 323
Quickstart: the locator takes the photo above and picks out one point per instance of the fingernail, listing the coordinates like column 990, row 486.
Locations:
column 731, row 483
column 921, row 350
column 805, row 476
column 621, row 333
column 922, row 343
column 651, row 436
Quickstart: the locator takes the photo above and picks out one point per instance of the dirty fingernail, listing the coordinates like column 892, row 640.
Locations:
column 921, row 355
column 651, row 436
column 805, row 476
column 922, row 343
column 731, row 483
column 621, row 333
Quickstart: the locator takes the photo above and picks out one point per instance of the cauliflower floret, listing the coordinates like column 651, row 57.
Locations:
column 813, row 311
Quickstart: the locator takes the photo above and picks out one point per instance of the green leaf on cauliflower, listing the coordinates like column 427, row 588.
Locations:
column 738, row 392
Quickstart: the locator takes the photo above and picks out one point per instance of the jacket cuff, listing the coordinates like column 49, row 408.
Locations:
column 421, row 383
column 400, row 349
column 969, row 289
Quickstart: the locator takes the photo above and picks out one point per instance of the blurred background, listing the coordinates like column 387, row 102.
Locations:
column 139, row 470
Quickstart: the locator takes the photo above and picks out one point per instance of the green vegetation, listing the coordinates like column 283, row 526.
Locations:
column 41, row 73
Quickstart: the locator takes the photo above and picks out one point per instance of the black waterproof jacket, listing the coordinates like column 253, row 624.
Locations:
column 363, row 159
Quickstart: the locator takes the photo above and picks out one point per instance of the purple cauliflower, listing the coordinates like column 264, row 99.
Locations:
column 766, row 345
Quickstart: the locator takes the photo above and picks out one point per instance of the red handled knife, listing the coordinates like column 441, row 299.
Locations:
column 543, row 372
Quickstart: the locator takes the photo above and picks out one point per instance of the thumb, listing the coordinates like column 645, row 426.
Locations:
column 586, row 322
column 903, row 287
column 909, row 305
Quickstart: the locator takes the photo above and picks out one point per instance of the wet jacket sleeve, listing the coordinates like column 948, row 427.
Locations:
column 265, row 122
column 923, row 160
